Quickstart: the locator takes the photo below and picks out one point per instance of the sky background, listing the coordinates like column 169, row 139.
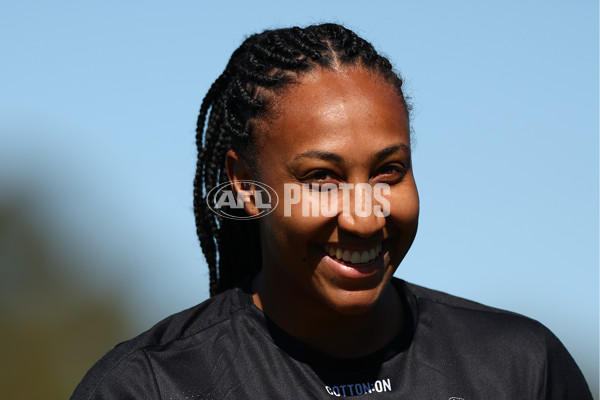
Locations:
column 98, row 103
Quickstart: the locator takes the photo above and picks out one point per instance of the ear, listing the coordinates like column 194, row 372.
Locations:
column 239, row 173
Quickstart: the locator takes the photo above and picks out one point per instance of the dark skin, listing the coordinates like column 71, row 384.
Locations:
column 346, row 126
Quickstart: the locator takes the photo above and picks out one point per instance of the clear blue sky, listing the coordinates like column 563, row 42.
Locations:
column 98, row 102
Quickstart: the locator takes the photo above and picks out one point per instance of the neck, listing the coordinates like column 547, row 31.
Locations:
column 332, row 332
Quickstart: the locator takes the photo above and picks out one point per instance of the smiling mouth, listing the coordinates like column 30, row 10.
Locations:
column 353, row 256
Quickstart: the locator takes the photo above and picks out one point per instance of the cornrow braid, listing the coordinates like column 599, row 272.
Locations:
column 257, row 70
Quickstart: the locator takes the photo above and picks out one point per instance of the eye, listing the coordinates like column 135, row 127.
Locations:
column 319, row 177
column 391, row 173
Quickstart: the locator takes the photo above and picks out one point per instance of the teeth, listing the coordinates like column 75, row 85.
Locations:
column 346, row 256
column 354, row 256
column 364, row 257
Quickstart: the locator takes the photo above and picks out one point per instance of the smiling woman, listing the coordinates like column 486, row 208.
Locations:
column 304, row 304
column 336, row 126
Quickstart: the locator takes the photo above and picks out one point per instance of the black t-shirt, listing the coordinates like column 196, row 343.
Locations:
column 451, row 348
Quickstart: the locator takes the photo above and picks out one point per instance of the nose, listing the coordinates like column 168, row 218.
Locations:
column 358, row 219
column 363, row 227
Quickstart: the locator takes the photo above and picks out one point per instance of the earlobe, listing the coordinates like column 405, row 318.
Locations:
column 240, row 176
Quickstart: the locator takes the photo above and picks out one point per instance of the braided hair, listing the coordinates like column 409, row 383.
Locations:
column 257, row 71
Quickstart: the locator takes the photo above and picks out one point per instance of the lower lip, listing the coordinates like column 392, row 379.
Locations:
column 354, row 271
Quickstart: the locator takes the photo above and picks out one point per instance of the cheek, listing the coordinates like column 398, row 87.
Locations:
column 289, row 246
column 292, row 237
column 299, row 212
column 404, row 209
column 286, row 230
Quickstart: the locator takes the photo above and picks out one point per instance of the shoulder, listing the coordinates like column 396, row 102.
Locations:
column 475, row 323
column 424, row 294
column 127, row 367
column 429, row 301
column 499, row 345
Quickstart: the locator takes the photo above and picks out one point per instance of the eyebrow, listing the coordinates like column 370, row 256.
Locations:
column 322, row 155
column 380, row 155
column 329, row 156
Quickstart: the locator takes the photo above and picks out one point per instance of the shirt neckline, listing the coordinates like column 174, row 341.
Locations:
column 308, row 354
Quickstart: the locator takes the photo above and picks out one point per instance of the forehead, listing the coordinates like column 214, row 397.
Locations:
column 329, row 108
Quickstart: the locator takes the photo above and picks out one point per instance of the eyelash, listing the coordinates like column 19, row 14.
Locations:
column 396, row 169
column 314, row 176
column 326, row 176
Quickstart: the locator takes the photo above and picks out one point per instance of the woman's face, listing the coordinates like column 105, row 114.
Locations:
column 343, row 128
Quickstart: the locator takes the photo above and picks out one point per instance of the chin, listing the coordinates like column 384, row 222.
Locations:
column 353, row 302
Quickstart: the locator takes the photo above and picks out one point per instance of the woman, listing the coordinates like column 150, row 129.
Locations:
column 303, row 301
